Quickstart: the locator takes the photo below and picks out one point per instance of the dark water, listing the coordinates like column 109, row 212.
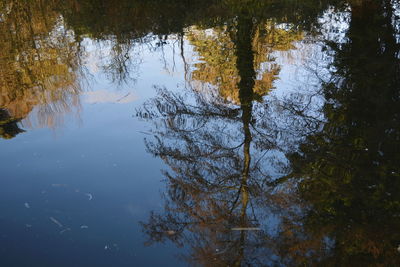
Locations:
column 215, row 133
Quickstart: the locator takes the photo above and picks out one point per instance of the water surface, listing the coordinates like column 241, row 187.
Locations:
column 215, row 133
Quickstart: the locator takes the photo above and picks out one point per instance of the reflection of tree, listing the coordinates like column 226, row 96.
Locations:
column 350, row 170
column 137, row 21
column 217, row 66
column 342, row 203
column 38, row 61
column 216, row 152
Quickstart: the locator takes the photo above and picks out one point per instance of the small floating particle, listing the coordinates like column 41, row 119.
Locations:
column 28, row 225
column 105, row 247
column 170, row 232
column 89, row 195
column 56, row 222
column 67, row 229
column 26, row 204
column 246, row 229
column 58, row 185
column 219, row 252
column 84, row 227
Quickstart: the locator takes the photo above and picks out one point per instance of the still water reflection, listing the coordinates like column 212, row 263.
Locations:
column 215, row 133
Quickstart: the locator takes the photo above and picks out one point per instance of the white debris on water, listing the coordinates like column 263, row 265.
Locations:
column 90, row 196
column 66, row 229
column 84, row 227
column 246, row 229
column 58, row 185
column 26, row 204
column 112, row 247
column 56, row 222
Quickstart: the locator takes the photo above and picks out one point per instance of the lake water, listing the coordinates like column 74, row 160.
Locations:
column 199, row 133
